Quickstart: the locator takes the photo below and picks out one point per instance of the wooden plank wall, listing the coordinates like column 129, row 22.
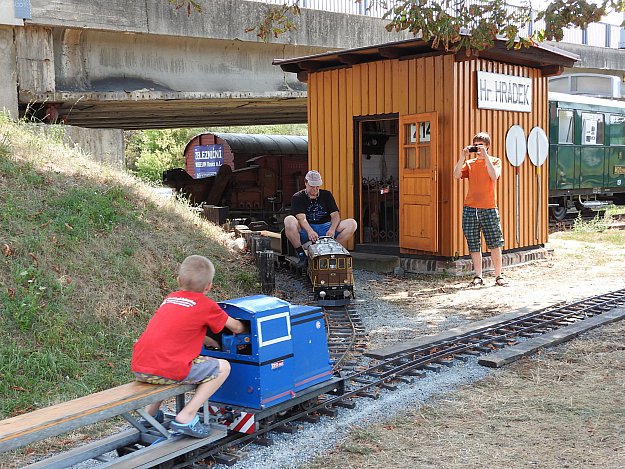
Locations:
column 414, row 86
column 470, row 120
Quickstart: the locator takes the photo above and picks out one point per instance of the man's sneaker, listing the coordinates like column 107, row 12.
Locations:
column 159, row 417
column 194, row 428
column 301, row 263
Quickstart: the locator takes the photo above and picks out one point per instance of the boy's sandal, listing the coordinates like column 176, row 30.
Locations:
column 159, row 417
column 477, row 280
column 194, row 428
column 500, row 281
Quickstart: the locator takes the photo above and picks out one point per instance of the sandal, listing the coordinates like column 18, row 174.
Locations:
column 500, row 281
column 159, row 417
column 477, row 280
column 194, row 428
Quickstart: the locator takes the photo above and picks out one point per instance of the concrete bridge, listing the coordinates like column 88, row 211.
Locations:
column 123, row 64
column 129, row 64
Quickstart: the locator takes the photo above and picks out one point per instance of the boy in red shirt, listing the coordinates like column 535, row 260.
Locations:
column 480, row 213
column 168, row 351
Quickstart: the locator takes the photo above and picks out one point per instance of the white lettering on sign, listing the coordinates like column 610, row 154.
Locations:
column 504, row 92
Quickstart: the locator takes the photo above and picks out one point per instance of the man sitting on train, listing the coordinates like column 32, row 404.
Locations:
column 314, row 213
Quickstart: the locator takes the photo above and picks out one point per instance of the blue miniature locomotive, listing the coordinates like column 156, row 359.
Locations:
column 282, row 359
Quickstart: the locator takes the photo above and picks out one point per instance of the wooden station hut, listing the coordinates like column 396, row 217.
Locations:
column 387, row 124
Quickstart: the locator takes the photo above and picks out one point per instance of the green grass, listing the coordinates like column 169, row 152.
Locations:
column 86, row 255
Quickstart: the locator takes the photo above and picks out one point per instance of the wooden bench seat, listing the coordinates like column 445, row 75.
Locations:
column 44, row 423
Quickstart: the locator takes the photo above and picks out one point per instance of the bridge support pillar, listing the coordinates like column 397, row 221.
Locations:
column 103, row 145
column 8, row 72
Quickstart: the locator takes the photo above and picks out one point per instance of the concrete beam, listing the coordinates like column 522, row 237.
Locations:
column 220, row 19
column 105, row 61
column 595, row 59
column 155, row 109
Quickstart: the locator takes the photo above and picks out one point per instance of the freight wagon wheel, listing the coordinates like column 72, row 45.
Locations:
column 558, row 213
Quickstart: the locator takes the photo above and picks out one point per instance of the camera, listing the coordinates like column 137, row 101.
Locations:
column 473, row 149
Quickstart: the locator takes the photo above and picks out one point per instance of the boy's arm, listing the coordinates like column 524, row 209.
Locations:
column 460, row 163
column 210, row 342
column 236, row 326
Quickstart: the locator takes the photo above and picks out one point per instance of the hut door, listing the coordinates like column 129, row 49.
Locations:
column 418, row 188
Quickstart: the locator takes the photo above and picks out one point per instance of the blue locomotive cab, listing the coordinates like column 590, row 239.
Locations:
column 265, row 367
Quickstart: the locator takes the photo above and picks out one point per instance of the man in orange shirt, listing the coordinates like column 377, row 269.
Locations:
column 480, row 213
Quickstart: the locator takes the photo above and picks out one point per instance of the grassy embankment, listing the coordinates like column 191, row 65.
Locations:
column 86, row 255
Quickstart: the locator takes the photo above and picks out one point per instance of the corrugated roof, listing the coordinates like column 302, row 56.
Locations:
column 548, row 58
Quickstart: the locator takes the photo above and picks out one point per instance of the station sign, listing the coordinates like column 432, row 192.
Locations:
column 207, row 159
column 504, row 92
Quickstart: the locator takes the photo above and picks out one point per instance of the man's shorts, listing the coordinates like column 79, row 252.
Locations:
column 485, row 220
column 203, row 369
column 321, row 229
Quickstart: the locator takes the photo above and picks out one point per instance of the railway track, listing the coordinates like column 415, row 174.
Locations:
column 368, row 374
column 615, row 222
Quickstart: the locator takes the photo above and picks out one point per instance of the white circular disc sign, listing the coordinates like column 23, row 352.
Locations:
column 537, row 146
column 515, row 145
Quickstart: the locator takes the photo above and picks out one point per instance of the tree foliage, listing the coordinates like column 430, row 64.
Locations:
column 468, row 24
column 189, row 5
column 150, row 152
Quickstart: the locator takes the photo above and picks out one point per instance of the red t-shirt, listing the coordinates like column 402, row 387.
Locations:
column 174, row 336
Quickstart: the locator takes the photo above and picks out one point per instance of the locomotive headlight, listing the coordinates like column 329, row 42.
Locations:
column 346, row 281
column 322, row 282
column 347, row 294
column 322, row 294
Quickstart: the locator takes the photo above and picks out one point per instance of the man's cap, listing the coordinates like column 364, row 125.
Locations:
column 314, row 178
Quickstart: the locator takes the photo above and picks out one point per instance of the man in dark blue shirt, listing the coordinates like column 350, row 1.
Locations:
column 314, row 213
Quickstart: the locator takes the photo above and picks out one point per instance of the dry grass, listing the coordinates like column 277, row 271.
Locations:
column 563, row 409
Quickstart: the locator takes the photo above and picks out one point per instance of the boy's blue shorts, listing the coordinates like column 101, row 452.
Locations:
column 321, row 229
column 482, row 220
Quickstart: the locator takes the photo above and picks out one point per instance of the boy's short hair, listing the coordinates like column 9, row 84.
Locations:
column 195, row 273
column 483, row 136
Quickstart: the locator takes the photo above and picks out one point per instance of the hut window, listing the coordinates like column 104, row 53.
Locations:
column 565, row 126
column 411, row 158
column 424, row 157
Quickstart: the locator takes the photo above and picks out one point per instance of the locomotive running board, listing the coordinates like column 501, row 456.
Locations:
column 332, row 386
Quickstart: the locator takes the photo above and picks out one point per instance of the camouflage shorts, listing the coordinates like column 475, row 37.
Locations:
column 203, row 369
